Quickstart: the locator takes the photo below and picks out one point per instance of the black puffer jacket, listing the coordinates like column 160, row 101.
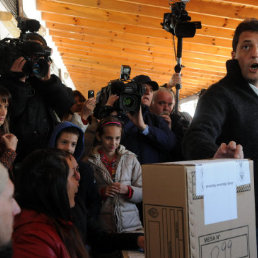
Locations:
column 228, row 111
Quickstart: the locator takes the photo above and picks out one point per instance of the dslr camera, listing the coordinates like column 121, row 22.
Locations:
column 129, row 92
column 37, row 55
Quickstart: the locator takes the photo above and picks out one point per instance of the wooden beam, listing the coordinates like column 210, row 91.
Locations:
column 97, row 13
column 63, row 48
column 125, row 16
column 136, row 57
column 134, row 30
column 116, row 62
column 222, row 8
column 207, row 20
column 117, row 45
column 142, row 40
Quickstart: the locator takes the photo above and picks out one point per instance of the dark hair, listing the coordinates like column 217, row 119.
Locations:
column 41, row 185
column 109, row 121
column 246, row 25
column 78, row 94
column 70, row 129
column 5, row 97
column 35, row 36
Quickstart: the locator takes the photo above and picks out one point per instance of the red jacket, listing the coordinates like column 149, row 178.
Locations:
column 35, row 236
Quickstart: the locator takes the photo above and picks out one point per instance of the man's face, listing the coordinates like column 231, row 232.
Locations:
column 8, row 209
column 147, row 96
column 67, row 141
column 163, row 103
column 247, row 56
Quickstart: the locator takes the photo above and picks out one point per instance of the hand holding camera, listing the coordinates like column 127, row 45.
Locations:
column 137, row 119
column 17, row 67
column 87, row 108
column 111, row 100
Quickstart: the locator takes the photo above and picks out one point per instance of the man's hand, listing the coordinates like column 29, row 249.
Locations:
column 232, row 150
column 48, row 75
column 17, row 66
column 137, row 119
column 175, row 79
column 167, row 119
column 10, row 141
column 111, row 100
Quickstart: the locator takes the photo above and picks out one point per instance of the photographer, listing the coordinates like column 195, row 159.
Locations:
column 37, row 98
column 145, row 134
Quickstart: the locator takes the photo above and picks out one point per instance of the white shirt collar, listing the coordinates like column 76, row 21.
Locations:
column 255, row 89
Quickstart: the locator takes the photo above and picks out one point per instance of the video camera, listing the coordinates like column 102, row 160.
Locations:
column 37, row 55
column 129, row 92
column 178, row 22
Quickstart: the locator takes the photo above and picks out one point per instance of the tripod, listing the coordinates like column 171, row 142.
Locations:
column 178, row 68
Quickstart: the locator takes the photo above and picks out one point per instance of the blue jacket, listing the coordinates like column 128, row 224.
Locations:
column 152, row 148
column 80, row 143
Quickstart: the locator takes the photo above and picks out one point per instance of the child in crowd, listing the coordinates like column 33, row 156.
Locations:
column 119, row 178
column 70, row 137
column 8, row 141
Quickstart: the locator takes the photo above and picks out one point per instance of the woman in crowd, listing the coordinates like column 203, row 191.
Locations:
column 46, row 184
column 119, row 178
column 8, row 141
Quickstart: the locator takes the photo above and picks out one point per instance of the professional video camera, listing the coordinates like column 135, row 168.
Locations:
column 129, row 92
column 178, row 22
column 37, row 55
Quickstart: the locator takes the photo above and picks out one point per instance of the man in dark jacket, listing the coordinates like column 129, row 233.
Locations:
column 36, row 101
column 163, row 105
column 147, row 134
column 228, row 110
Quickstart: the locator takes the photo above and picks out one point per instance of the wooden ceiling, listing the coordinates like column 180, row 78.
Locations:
column 96, row 37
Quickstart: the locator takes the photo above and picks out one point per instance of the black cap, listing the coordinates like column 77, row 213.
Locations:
column 144, row 79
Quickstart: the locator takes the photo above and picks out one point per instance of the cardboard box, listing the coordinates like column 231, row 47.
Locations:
column 190, row 209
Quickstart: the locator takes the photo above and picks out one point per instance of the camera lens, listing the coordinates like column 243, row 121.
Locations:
column 128, row 101
column 40, row 68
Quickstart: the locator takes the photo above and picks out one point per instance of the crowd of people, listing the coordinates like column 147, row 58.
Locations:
column 77, row 178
